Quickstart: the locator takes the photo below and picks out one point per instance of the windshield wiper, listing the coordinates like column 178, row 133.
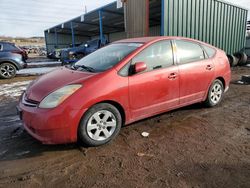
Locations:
column 87, row 68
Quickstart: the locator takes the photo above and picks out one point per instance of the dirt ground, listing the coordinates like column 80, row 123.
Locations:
column 189, row 147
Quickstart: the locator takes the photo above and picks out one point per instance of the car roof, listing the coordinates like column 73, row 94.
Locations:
column 3, row 42
column 151, row 39
column 158, row 38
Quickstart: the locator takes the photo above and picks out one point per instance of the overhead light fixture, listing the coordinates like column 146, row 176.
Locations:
column 119, row 4
column 75, row 25
column 93, row 29
column 119, row 23
column 97, row 19
column 82, row 18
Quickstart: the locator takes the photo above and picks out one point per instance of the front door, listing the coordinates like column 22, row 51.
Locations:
column 157, row 88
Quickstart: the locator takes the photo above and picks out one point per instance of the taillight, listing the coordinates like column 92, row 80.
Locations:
column 17, row 52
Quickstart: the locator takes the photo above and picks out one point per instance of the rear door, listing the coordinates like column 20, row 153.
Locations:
column 157, row 88
column 196, row 71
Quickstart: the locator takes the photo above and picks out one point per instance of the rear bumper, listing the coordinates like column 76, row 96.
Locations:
column 21, row 65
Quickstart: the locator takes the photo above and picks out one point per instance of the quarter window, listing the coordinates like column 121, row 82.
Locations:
column 188, row 52
column 158, row 55
column 210, row 51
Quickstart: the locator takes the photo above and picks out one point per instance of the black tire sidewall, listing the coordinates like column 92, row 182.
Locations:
column 208, row 101
column 82, row 129
column 10, row 64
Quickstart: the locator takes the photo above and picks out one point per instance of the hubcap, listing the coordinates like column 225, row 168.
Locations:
column 7, row 70
column 101, row 125
column 216, row 93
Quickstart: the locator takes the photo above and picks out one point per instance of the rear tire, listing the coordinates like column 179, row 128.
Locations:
column 7, row 70
column 233, row 60
column 242, row 58
column 215, row 93
column 99, row 125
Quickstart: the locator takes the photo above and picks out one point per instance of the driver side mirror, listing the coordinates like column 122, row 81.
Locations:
column 139, row 67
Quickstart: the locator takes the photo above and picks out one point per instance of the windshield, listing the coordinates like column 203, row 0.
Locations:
column 93, row 42
column 107, row 57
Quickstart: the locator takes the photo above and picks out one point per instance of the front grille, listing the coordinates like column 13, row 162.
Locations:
column 28, row 102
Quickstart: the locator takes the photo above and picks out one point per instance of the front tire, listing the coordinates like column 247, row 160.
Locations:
column 99, row 125
column 7, row 70
column 215, row 93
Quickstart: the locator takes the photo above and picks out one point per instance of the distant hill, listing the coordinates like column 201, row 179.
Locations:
column 21, row 41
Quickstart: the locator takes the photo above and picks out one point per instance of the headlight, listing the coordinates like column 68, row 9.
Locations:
column 71, row 53
column 57, row 97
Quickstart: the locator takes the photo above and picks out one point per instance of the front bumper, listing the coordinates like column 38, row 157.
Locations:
column 50, row 126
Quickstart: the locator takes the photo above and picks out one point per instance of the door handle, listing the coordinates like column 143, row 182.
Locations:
column 209, row 67
column 172, row 76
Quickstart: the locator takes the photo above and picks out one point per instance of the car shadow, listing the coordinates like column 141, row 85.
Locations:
column 16, row 143
column 192, row 108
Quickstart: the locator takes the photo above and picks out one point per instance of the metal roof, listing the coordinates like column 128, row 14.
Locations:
column 88, row 24
column 112, row 20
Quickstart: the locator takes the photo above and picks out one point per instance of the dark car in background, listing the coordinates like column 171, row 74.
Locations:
column 72, row 55
column 10, row 63
column 56, row 53
column 11, row 47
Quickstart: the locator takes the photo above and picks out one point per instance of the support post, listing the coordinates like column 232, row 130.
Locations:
column 100, row 27
column 162, row 17
column 56, row 38
column 73, row 34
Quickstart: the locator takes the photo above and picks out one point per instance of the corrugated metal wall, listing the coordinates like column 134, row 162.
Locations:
column 220, row 24
column 136, row 18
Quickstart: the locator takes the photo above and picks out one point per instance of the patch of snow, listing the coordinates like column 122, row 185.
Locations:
column 45, row 63
column 3, row 152
column 9, row 119
column 22, row 153
column 13, row 90
column 240, row 82
column 36, row 71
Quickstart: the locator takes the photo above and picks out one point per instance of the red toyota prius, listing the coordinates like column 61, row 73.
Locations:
column 121, row 83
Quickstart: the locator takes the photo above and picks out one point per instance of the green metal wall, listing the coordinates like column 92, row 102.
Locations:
column 215, row 22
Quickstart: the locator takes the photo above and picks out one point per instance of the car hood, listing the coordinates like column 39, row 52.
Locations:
column 54, row 80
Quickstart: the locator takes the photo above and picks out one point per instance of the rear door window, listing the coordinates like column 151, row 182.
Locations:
column 158, row 55
column 9, row 47
column 188, row 52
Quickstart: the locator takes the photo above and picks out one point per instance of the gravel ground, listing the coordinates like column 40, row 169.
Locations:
column 189, row 147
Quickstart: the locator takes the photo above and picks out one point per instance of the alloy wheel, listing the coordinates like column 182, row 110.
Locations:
column 7, row 70
column 101, row 125
column 216, row 93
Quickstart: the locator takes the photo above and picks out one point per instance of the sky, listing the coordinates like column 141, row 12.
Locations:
column 27, row 18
